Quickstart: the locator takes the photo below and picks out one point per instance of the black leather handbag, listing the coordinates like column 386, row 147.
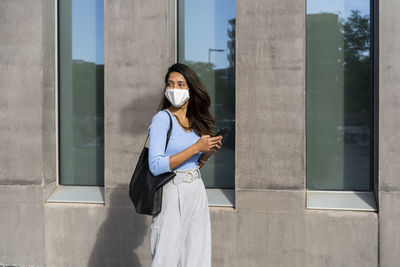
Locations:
column 145, row 189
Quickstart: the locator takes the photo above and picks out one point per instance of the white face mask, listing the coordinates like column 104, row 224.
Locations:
column 177, row 97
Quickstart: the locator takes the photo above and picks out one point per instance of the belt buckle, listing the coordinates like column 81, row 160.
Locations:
column 191, row 179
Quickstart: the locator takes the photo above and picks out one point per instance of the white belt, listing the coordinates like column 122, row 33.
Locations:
column 186, row 176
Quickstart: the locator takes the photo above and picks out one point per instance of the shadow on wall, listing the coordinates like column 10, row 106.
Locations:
column 136, row 117
column 120, row 235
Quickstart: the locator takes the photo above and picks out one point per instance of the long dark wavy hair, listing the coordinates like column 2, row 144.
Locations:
column 200, row 119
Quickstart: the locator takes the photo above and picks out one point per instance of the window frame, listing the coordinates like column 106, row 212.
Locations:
column 67, row 193
column 217, row 197
column 346, row 199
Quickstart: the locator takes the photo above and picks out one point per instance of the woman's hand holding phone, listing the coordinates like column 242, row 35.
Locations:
column 206, row 143
column 209, row 146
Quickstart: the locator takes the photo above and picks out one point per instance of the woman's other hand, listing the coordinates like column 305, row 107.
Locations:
column 206, row 143
column 213, row 150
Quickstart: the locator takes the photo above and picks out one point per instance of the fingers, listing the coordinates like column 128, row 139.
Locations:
column 218, row 142
column 212, row 139
column 219, row 137
column 215, row 140
column 216, row 146
column 214, row 143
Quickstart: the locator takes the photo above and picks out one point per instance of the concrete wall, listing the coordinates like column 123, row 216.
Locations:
column 21, row 135
column 273, row 226
column 136, row 58
column 21, row 88
column 49, row 94
column 269, row 225
column 389, row 127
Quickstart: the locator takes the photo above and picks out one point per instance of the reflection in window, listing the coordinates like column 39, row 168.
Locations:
column 339, row 95
column 206, row 42
column 81, row 83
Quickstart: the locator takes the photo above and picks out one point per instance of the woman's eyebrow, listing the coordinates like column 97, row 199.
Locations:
column 179, row 81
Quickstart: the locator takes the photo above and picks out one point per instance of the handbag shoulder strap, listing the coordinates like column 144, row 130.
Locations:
column 168, row 134
column 169, row 131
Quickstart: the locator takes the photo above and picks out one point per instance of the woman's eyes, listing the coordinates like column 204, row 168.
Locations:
column 180, row 85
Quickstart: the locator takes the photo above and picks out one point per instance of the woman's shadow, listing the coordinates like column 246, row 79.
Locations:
column 124, row 230
column 120, row 235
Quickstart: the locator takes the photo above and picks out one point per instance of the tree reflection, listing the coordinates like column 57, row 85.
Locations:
column 357, row 79
column 220, row 84
column 339, row 101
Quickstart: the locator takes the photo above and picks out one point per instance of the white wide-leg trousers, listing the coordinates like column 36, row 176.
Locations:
column 180, row 235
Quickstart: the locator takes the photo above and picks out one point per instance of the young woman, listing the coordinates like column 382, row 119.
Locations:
column 181, row 233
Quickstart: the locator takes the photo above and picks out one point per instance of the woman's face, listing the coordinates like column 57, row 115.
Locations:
column 176, row 80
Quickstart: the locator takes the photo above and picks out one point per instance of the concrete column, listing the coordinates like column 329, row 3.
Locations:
column 389, row 128
column 137, row 54
column 25, row 134
column 270, row 94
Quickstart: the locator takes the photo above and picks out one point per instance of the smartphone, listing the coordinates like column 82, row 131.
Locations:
column 221, row 132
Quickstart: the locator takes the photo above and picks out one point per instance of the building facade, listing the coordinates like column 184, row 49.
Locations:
column 270, row 220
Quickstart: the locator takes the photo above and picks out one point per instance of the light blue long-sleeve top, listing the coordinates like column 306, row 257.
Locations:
column 179, row 140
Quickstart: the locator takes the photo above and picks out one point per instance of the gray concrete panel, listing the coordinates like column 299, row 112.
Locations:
column 340, row 238
column 21, row 195
column 389, row 127
column 21, row 225
column 311, row 238
column 117, row 197
column 270, row 200
column 48, row 189
column 270, row 94
column 270, row 239
column 137, row 55
column 21, row 92
column 389, row 231
column 95, row 236
column 281, row 234
column 48, row 87
column 224, row 238
column 389, row 95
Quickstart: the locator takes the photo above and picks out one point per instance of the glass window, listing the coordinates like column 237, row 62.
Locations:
column 339, row 95
column 81, row 92
column 206, row 42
